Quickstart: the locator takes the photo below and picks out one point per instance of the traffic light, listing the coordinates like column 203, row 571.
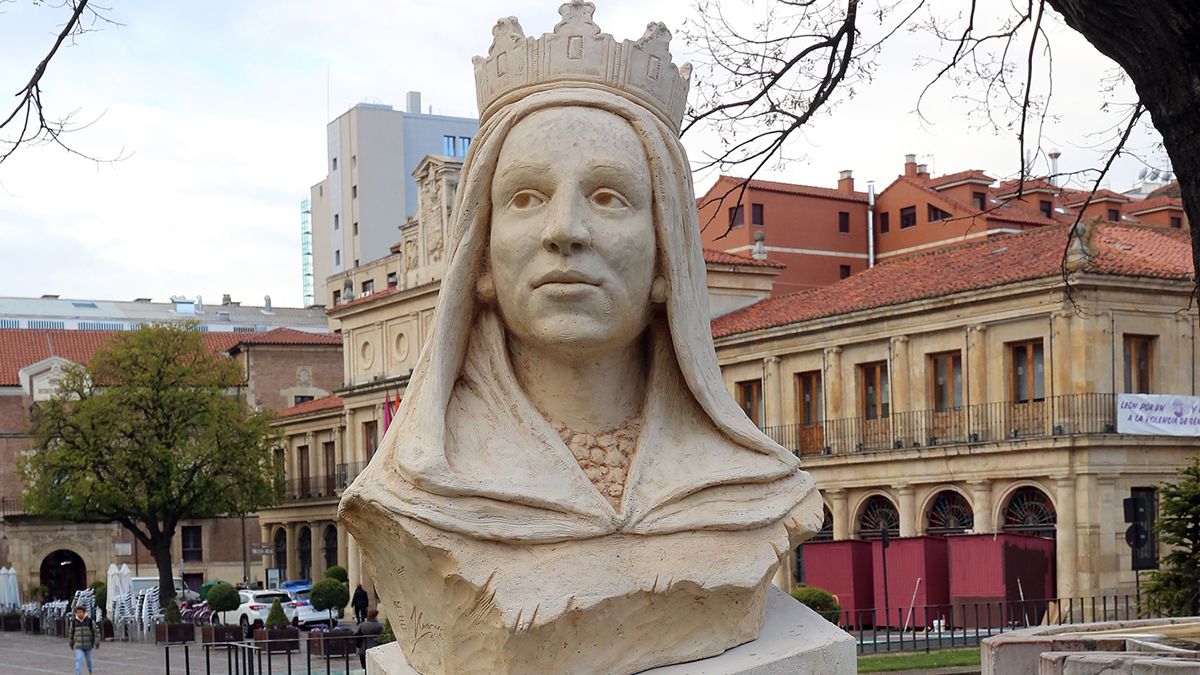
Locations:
column 1139, row 513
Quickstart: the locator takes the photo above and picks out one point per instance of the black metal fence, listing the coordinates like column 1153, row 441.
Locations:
column 337, row 655
column 1068, row 415
column 933, row 627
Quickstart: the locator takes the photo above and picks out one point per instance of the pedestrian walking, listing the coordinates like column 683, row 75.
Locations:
column 83, row 635
column 359, row 602
column 367, row 631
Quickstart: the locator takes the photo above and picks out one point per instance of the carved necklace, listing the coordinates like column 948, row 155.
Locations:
column 604, row 457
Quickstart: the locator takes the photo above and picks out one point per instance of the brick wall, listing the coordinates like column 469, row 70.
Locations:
column 275, row 373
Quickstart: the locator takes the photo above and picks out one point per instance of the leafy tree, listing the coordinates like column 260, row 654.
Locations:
column 147, row 435
column 820, row 601
column 276, row 618
column 1174, row 590
column 222, row 598
column 329, row 594
column 337, row 572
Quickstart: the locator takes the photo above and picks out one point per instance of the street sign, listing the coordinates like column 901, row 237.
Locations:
column 261, row 550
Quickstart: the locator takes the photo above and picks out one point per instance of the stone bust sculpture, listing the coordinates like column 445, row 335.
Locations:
column 568, row 485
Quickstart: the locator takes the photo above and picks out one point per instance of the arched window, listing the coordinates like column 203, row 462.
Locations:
column 281, row 552
column 878, row 513
column 949, row 514
column 826, row 533
column 331, row 549
column 1029, row 511
column 304, row 548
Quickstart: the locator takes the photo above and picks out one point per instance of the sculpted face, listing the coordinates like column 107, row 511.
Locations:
column 572, row 248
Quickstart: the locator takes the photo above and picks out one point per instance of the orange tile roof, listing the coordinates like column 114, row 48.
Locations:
column 1171, row 189
column 1077, row 197
column 20, row 347
column 1012, row 213
column 1009, row 187
column 1154, row 203
column 332, row 402
column 723, row 258
column 1121, row 250
column 291, row 336
column 959, row 177
column 796, row 189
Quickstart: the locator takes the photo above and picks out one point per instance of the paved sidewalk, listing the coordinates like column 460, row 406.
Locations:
column 22, row 654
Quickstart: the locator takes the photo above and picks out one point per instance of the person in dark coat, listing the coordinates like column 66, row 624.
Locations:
column 83, row 635
column 367, row 631
column 359, row 602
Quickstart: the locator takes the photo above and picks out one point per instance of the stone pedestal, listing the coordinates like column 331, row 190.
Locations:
column 793, row 640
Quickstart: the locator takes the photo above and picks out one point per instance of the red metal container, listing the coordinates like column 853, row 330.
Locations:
column 844, row 569
column 912, row 603
column 1005, row 575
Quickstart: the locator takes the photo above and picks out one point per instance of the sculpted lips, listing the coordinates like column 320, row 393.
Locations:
column 565, row 277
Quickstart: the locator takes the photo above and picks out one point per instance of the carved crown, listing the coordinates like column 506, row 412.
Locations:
column 578, row 52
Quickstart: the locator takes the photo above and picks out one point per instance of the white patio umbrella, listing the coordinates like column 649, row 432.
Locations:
column 114, row 588
column 5, row 601
column 14, row 589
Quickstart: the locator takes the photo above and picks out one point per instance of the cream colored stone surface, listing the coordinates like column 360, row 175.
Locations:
column 573, row 312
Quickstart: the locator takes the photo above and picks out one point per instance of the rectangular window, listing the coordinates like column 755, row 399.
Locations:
column 1177, row 222
column 812, row 405
column 935, row 214
column 946, row 381
column 297, row 400
column 1114, row 215
column 337, row 257
column 329, row 455
column 334, row 162
column 756, row 214
column 464, row 144
column 370, row 432
column 1028, row 374
column 193, row 548
column 1149, row 497
column 302, row 470
column 448, row 146
column 979, row 199
column 843, row 271
column 337, row 298
column 843, row 222
column 883, row 222
column 749, row 397
column 1138, row 352
column 1046, row 207
column 908, row 217
column 353, row 161
column 873, row 383
column 336, row 221
column 354, row 229
column 392, row 280
column 737, row 216
column 354, row 192
column 368, row 286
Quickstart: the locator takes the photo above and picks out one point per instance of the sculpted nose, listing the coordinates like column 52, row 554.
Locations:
column 567, row 232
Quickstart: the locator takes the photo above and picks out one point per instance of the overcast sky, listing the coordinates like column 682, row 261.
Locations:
column 218, row 110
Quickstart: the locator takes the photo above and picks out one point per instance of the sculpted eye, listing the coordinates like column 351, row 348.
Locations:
column 526, row 199
column 609, row 199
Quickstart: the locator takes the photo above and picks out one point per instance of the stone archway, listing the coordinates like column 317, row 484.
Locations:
column 62, row 572
column 949, row 513
column 331, row 546
column 1029, row 510
column 304, row 550
column 878, row 512
column 281, row 553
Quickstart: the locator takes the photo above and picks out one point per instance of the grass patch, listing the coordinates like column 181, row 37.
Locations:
column 909, row 661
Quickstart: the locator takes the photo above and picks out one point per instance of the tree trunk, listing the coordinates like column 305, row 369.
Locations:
column 166, row 576
column 1157, row 43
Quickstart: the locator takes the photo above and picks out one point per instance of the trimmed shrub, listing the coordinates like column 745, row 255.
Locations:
column 329, row 594
column 223, row 598
column 337, row 572
column 171, row 612
column 276, row 617
column 820, row 601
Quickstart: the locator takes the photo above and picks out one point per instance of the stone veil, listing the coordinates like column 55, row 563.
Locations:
column 490, row 548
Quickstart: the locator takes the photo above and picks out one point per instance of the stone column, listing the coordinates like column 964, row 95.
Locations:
column 977, row 375
column 1060, row 366
column 773, row 392
column 841, row 514
column 1110, row 548
column 314, row 463
column 352, row 452
column 293, row 550
column 908, row 511
column 901, row 368
column 343, row 548
column 981, row 506
column 317, row 530
column 1065, row 546
column 833, row 401
column 268, row 539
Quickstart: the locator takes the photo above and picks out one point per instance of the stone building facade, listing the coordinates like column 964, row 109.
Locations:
column 968, row 389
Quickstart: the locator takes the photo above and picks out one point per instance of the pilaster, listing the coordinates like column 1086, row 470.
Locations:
column 908, row 511
column 901, row 369
column 773, row 391
column 981, row 506
column 840, row 512
column 1065, row 544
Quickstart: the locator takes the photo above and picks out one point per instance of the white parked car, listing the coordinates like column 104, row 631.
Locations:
column 252, row 613
column 308, row 616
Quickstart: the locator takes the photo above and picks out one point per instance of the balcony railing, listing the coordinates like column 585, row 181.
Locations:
column 1070, row 415
column 319, row 487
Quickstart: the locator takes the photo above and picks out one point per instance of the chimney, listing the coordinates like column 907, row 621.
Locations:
column 199, row 303
column 1054, row 155
column 413, row 102
column 266, row 303
column 759, row 252
column 846, row 181
column 910, row 165
column 923, row 171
